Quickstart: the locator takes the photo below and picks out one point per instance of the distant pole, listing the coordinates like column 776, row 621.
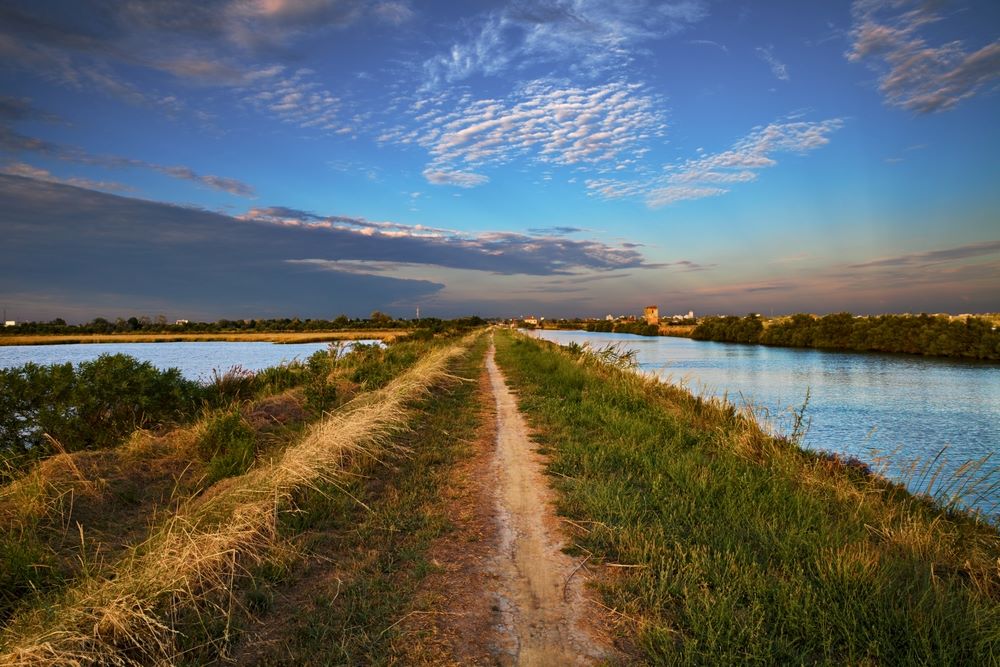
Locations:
column 418, row 312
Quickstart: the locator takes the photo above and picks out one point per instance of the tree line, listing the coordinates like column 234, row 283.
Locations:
column 145, row 324
column 931, row 335
column 638, row 327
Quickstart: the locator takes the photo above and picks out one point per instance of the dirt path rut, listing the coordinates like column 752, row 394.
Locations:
column 539, row 590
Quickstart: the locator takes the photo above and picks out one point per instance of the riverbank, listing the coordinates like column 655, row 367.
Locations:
column 964, row 336
column 392, row 509
column 716, row 543
column 234, row 337
column 188, row 537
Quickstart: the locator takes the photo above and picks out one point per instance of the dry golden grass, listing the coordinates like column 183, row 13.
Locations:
column 310, row 337
column 680, row 331
column 190, row 566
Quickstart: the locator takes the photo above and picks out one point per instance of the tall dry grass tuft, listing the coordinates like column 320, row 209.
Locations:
column 184, row 575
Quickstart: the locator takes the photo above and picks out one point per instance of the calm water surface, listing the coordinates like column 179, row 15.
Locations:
column 195, row 360
column 863, row 405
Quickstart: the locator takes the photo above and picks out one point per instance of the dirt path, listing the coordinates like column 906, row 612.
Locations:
column 505, row 593
column 541, row 596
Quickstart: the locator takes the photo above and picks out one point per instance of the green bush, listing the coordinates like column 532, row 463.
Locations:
column 375, row 365
column 229, row 446
column 932, row 335
column 277, row 379
column 26, row 567
column 320, row 393
column 236, row 384
column 90, row 407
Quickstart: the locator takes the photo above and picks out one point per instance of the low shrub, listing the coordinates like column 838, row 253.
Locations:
column 229, row 445
column 47, row 408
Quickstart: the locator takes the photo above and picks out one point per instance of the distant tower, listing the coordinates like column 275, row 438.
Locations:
column 651, row 315
column 418, row 312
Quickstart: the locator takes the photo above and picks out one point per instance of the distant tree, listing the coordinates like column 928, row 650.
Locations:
column 379, row 317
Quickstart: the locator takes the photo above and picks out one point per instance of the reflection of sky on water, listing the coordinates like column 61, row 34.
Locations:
column 195, row 360
column 908, row 406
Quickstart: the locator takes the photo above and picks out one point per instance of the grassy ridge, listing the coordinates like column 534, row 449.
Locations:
column 742, row 548
column 175, row 594
column 344, row 604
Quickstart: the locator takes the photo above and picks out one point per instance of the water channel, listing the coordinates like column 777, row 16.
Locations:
column 870, row 406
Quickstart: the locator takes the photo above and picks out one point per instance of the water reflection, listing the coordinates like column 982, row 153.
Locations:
column 195, row 360
column 862, row 405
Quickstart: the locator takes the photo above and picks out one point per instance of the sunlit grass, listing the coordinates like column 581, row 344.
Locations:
column 185, row 572
column 741, row 547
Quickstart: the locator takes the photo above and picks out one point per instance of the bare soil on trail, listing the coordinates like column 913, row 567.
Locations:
column 508, row 595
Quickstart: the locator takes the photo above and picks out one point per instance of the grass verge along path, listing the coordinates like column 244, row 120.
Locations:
column 182, row 583
column 355, row 596
column 722, row 545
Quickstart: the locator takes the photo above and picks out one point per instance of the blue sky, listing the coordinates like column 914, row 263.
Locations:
column 247, row 158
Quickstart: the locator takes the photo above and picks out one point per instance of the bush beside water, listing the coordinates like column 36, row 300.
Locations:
column 44, row 409
column 932, row 335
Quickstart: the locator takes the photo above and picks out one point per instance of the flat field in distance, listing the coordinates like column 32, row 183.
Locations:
column 244, row 337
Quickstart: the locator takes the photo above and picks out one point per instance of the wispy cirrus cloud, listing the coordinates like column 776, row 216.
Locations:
column 927, row 258
column 29, row 171
column 778, row 68
column 914, row 74
column 603, row 127
column 13, row 142
column 587, row 36
column 240, row 45
column 711, row 175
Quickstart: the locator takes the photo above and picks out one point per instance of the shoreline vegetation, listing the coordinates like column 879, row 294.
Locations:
column 963, row 336
column 231, row 337
column 927, row 335
column 182, row 532
column 717, row 543
column 283, row 330
column 289, row 516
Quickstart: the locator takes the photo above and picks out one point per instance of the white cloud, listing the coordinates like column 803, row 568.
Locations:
column 588, row 36
column 702, row 176
column 915, row 74
column 296, row 99
column 458, row 178
column 778, row 68
column 601, row 128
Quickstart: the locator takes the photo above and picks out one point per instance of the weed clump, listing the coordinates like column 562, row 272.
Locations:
column 228, row 445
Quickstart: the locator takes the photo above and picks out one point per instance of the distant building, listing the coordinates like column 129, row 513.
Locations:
column 181, row 322
column 10, row 323
column 533, row 321
column 609, row 318
column 652, row 315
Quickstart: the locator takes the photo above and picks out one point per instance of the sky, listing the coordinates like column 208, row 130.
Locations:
column 307, row 158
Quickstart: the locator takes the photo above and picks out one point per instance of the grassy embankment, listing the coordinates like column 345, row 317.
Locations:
column 723, row 545
column 277, row 337
column 146, row 558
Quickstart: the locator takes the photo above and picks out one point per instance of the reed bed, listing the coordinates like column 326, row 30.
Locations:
column 184, row 576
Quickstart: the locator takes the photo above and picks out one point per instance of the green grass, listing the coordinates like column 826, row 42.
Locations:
column 367, row 561
column 748, row 549
column 116, row 498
